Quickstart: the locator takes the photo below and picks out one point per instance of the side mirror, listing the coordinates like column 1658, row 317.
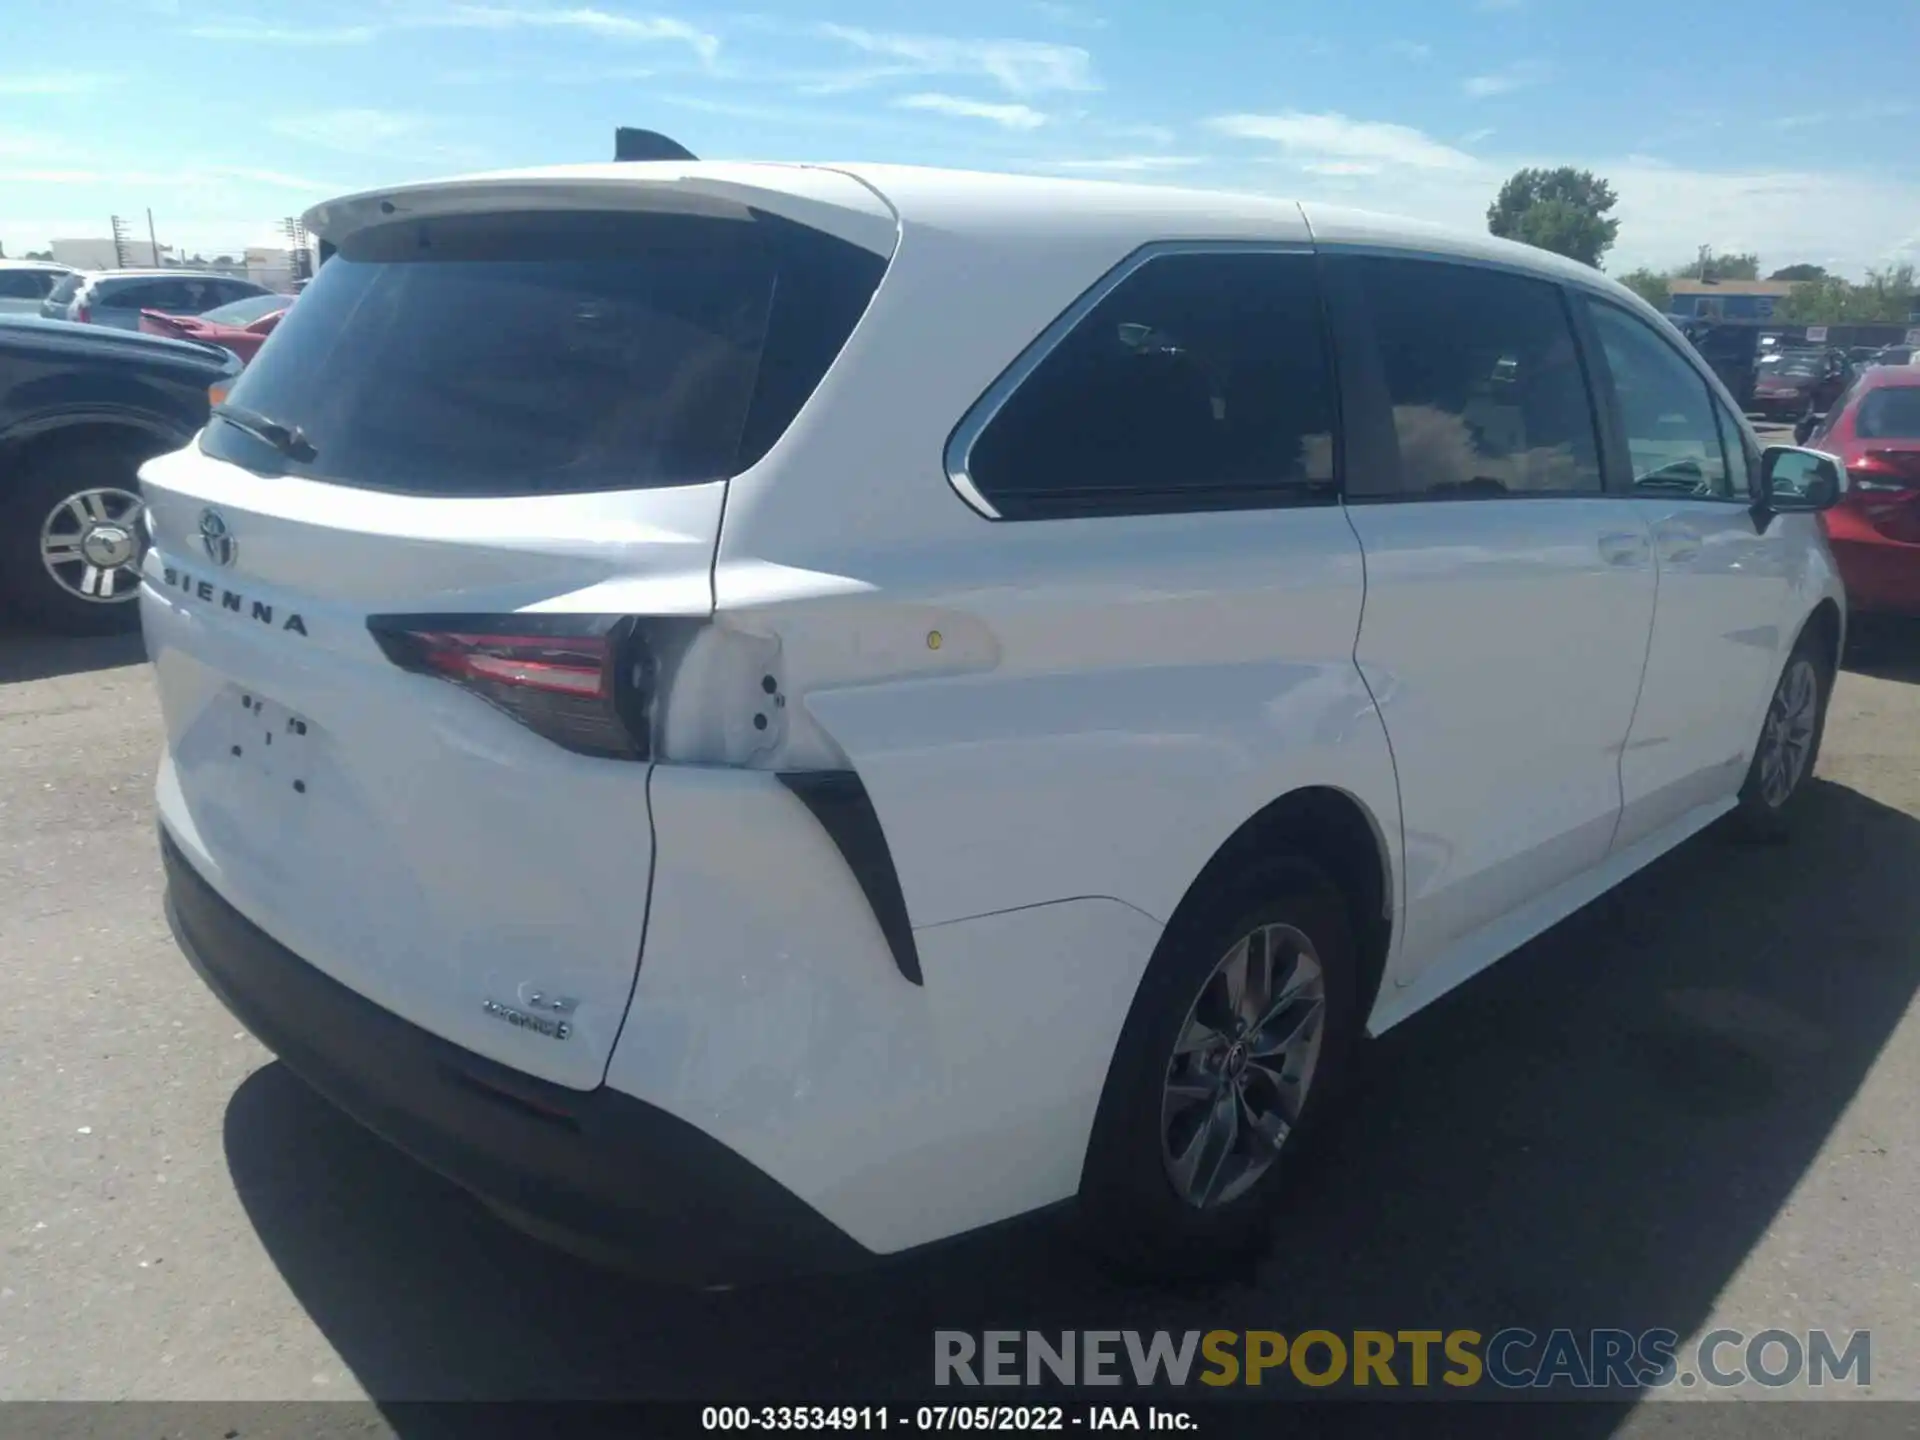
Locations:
column 1795, row 480
column 1804, row 427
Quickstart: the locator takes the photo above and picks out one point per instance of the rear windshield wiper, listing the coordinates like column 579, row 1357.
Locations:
column 290, row 440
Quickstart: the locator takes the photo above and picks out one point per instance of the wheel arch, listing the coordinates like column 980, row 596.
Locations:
column 1335, row 830
column 42, row 433
column 1828, row 626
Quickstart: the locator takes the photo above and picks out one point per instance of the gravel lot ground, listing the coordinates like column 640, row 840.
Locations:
column 1691, row 1104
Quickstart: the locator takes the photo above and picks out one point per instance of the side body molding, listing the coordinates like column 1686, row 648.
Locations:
column 839, row 801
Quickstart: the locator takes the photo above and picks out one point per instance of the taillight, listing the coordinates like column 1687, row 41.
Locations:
column 82, row 315
column 560, row 676
column 1880, row 472
column 622, row 687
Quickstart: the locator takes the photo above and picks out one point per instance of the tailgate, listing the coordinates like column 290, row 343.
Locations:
column 410, row 841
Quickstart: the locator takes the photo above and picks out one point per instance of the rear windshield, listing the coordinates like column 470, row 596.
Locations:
column 245, row 312
column 68, row 287
column 550, row 353
column 1889, row 414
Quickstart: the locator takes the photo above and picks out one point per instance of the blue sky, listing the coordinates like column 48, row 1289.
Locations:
column 1742, row 124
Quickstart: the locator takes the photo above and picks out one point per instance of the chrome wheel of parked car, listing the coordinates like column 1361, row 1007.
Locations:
column 1786, row 741
column 91, row 545
column 1242, row 1065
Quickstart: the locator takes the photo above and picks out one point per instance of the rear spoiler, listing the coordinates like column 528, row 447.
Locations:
column 632, row 144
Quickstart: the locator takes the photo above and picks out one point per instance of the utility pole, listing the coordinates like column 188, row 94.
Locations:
column 119, row 243
column 152, row 239
column 297, row 248
column 1706, row 263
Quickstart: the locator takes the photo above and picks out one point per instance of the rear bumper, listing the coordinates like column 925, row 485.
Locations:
column 1882, row 576
column 598, row 1172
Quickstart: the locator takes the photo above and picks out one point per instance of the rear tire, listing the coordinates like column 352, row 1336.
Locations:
column 1789, row 744
column 71, row 535
column 1205, row 1112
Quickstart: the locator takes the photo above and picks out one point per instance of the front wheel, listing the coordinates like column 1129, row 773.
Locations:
column 1789, row 744
column 1234, row 1047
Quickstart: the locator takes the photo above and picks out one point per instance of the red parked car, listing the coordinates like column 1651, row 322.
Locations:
column 1875, row 529
column 242, row 326
column 1794, row 383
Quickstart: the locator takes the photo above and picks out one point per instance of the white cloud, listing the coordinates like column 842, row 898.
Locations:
column 1021, row 67
column 1517, row 76
column 1010, row 116
column 63, row 82
column 1333, row 138
column 1474, row 137
column 261, row 32
column 21, row 143
column 353, row 132
column 1149, row 134
column 1124, row 164
column 640, row 28
column 207, row 178
column 1411, row 50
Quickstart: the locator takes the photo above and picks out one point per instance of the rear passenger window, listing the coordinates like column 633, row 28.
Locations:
column 1200, row 382
column 1665, row 408
column 1488, row 394
column 165, row 295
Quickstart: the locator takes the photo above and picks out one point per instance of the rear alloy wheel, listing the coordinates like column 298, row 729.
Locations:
column 1236, row 1044
column 1241, row 1068
column 72, row 536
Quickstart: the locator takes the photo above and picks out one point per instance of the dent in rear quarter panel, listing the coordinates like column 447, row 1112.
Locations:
column 769, row 1013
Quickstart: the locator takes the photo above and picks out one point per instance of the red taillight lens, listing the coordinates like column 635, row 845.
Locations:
column 82, row 315
column 583, row 681
column 1884, row 471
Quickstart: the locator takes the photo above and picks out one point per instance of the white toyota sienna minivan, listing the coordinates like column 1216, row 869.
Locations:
column 759, row 716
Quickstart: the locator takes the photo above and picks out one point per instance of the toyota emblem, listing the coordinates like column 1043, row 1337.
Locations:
column 216, row 539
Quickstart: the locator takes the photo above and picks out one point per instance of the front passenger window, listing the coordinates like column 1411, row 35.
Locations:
column 1665, row 408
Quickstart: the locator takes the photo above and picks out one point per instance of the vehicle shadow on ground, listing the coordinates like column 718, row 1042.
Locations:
column 1884, row 647
column 30, row 654
column 1595, row 1133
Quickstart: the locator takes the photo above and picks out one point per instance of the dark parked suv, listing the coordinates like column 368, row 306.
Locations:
column 80, row 409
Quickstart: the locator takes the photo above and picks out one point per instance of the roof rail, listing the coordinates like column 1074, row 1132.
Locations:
column 632, row 144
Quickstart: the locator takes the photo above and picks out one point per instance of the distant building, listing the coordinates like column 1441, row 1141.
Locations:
column 91, row 254
column 1726, row 299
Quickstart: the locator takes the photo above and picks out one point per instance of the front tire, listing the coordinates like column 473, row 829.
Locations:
column 1236, row 1044
column 71, row 536
column 1789, row 744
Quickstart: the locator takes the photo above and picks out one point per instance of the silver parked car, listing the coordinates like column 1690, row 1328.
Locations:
column 25, row 284
column 116, row 297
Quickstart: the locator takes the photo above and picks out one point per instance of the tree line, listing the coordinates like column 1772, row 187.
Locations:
column 1567, row 211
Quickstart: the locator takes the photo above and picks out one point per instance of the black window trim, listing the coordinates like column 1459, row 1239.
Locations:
column 1619, row 474
column 1361, row 367
column 958, row 454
